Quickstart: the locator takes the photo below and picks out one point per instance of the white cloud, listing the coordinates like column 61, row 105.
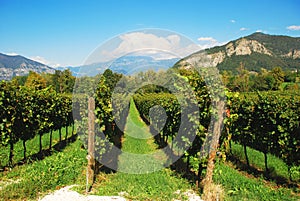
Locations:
column 207, row 39
column 145, row 43
column 208, row 42
column 261, row 31
column 232, row 21
column 44, row 61
column 293, row 28
column 12, row 54
column 39, row 59
column 243, row 29
column 155, row 54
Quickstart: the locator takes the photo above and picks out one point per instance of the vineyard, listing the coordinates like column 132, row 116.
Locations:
column 266, row 122
column 27, row 113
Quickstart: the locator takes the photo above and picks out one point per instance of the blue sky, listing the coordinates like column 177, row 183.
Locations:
column 65, row 32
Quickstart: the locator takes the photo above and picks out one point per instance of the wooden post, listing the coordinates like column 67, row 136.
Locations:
column 207, row 182
column 91, row 144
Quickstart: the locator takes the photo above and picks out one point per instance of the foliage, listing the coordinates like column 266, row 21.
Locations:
column 27, row 112
column 263, row 80
column 35, row 81
column 62, row 81
column 172, row 117
column 268, row 122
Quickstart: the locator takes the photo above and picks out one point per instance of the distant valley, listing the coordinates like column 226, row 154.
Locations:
column 126, row 65
column 11, row 66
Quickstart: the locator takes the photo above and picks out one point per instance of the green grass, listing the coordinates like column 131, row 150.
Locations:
column 31, row 145
column 241, row 185
column 159, row 185
column 238, row 186
column 277, row 167
column 137, row 138
column 138, row 147
column 28, row 182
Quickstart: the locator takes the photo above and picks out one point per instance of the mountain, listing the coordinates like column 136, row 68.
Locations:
column 132, row 64
column 126, row 65
column 255, row 51
column 11, row 66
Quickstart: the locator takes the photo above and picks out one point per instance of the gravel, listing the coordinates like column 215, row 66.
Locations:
column 65, row 194
column 192, row 196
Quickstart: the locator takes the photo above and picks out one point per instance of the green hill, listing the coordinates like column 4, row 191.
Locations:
column 255, row 51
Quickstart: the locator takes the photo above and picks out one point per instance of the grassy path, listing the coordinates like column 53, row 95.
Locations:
column 137, row 137
column 159, row 185
column 140, row 154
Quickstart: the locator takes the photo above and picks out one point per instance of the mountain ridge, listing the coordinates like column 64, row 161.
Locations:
column 254, row 52
column 126, row 65
column 17, row 65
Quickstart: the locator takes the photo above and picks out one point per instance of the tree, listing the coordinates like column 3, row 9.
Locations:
column 290, row 76
column 20, row 80
column 226, row 78
column 270, row 81
column 278, row 76
column 241, row 81
column 66, row 81
column 63, row 81
column 111, row 78
column 35, row 81
column 259, row 82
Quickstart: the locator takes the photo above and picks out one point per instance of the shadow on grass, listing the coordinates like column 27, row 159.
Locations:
column 184, row 171
column 180, row 166
column 109, row 158
column 270, row 175
column 58, row 147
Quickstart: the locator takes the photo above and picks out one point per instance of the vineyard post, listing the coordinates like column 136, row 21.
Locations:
column 91, row 144
column 207, row 182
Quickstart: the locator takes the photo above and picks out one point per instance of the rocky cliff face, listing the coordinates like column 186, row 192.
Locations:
column 246, row 47
column 240, row 47
column 294, row 54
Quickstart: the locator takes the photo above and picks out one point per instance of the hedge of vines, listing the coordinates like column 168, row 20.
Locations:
column 267, row 122
column 110, row 116
column 26, row 113
column 168, row 130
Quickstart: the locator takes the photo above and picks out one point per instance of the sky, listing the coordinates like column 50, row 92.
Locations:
column 66, row 32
